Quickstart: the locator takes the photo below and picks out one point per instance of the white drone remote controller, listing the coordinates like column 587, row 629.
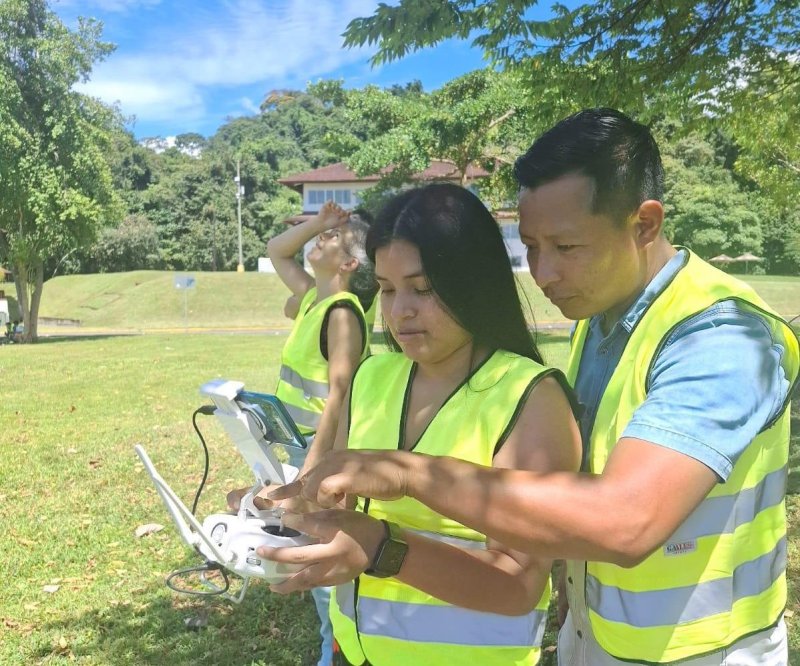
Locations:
column 257, row 423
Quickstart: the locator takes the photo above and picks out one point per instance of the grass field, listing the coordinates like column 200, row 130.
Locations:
column 72, row 493
column 78, row 586
column 148, row 301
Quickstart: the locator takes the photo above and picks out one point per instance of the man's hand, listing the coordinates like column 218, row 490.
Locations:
column 378, row 474
column 347, row 544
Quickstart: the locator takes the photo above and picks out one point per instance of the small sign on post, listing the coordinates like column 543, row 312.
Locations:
column 184, row 283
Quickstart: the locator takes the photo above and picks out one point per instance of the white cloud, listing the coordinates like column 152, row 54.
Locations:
column 249, row 105
column 144, row 98
column 174, row 70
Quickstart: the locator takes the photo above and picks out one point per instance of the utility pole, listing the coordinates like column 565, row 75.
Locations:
column 239, row 193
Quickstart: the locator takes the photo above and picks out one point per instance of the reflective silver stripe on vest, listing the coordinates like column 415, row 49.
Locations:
column 425, row 623
column 309, row 387
column 678, row 605
column 303, row 417
column 723, row 514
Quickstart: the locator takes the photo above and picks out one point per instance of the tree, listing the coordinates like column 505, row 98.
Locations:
column 133, row 245
column 781, row 246
column 766, row 126
column 716, row 61
column 700, row 45
column 55, row 185
column 704, row 207
column 482, row 118
column 190, row 143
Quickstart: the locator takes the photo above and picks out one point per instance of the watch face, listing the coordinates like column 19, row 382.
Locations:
column 392, row 557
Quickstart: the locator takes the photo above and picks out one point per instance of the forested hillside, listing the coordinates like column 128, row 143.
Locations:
column 181, row 206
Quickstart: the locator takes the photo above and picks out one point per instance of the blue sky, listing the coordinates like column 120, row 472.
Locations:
column 185, row 66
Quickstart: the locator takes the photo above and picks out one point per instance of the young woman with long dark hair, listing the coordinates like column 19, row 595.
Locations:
column 464, row 379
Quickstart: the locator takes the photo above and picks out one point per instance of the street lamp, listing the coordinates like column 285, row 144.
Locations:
column 239, row 195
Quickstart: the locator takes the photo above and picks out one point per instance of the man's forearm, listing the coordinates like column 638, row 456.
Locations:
column 620, row 516
column 556, row 515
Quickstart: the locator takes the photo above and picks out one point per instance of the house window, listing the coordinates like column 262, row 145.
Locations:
column 319, row 197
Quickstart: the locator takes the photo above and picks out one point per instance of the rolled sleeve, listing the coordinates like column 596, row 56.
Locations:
column 715, row 385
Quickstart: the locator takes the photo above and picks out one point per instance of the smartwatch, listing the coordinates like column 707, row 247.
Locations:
column 390, row 554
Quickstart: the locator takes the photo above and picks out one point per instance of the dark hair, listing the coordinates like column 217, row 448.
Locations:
column 465, row 261
column 362, row 280
column 617, row 153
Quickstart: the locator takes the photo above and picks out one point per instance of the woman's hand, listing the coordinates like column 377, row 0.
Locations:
column 295, row 504
column 332, row 215
column 347, row 544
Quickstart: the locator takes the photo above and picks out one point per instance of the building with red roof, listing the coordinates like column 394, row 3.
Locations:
column 336, row 182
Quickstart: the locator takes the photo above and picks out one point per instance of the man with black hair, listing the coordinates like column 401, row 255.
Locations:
column 675, row 530
column 694, row 466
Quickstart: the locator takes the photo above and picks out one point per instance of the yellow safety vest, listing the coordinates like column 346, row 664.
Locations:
column 303, row 383
column 370, row 315
column 722, row 575
column 388, row 622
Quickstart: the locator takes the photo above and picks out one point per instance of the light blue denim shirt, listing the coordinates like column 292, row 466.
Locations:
column 716, row 383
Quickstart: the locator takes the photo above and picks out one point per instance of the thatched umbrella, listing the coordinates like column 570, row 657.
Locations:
column 747, row 257
column 721, row 259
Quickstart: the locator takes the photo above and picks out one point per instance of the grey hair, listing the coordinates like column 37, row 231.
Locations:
column 362, row 281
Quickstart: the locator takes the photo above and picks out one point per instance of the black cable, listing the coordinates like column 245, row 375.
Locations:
column 207, row 566
column 207, row 410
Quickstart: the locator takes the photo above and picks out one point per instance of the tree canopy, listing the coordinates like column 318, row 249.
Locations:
column 648, row 43
column 728, row 63
column 55, row 184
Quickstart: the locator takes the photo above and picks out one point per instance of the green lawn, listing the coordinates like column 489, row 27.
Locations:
column 72, row 493
column 148, row 300
column 145, row 301
column 780, row 292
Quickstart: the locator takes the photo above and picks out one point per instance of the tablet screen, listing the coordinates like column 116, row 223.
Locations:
column 272, row 418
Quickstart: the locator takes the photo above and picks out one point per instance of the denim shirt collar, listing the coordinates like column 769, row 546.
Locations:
column 637, row 309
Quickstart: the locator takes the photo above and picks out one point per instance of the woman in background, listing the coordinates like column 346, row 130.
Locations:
column 329, row 338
